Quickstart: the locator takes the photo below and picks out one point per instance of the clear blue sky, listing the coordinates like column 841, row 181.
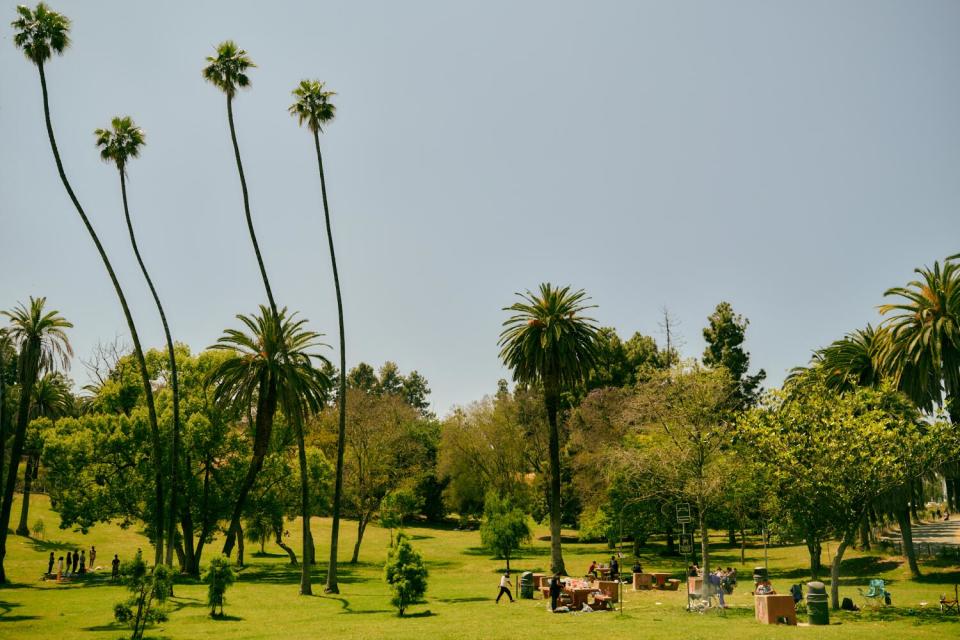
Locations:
column 793, row 158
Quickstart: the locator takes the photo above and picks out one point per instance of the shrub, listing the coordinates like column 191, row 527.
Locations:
column 504, row 526
column 405, row 573
column 218, row 578
column 149, row 592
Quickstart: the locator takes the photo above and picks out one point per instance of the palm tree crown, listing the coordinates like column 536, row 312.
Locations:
column 227, row 69
column 855, row 360
column 924, row 349
column 51, row 397
column 42, row 331
column 548, row 340
column 41, row 32
column 120, row 142
column 277, row 347
column 312, row 106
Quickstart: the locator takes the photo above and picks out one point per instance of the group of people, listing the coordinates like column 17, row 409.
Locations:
column 75, row 564
column 614, row 568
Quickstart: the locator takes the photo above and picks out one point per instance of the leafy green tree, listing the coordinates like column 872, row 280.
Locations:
column 505, row 527
column 687, row 416
column 405, row 573
column 314, row 108
column 119, row 144
column 40, row 33
column 149, row 591
column 51, row 399
column 40, row 337
column 227, row 71
column 724, row 335
column 805, row 438
column 271, row 365
column 548, row 342
column 398, row 506
column 218, row 578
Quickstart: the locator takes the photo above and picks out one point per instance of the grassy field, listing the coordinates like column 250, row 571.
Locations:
column 463, row 582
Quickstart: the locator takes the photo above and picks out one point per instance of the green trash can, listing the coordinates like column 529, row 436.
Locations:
column 818, row 606
column 526, row 585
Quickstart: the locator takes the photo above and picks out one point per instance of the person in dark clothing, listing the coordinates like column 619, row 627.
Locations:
column 556, row 586
column 50, row 562
column 614, row 568
column 116, row 566
column 83, row 562
column 76, row 560
column 504, row 587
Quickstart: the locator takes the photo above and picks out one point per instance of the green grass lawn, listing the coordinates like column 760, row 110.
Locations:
column 463, row 582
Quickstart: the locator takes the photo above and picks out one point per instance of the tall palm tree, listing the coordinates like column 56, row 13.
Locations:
column 119, row 144
column 41, row 338
column 40, row 33
column 51, row 399
column 313, row 108
column 271, row 365
column 227, row 71
column 924, row 346
column 549, row 342
column 5, row 347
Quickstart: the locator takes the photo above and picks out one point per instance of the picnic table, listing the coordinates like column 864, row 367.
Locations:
column 642, row 581
column 660, row 580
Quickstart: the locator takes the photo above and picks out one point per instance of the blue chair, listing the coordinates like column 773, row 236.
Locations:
column 876, row 594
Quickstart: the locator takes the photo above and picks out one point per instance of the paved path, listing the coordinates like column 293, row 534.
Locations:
column 932, row 532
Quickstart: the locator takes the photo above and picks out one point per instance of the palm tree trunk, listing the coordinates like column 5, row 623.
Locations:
column 171, row 356
column 3, row 412
column 906, row 537
column 331, row 586
column 27, row 372
column 266, row 408
column 23, row 529
column 305, row 587
column 246, row 205
column 552, row 399
column 138, row 350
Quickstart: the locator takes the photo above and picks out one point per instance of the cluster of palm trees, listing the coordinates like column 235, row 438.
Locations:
column 916, row 348
column 273, row 366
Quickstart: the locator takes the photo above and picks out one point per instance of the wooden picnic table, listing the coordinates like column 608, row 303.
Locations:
column 770, row 609
column 578, row 596
column 660, row 579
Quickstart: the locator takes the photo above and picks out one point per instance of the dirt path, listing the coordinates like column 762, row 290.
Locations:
column 932, row 532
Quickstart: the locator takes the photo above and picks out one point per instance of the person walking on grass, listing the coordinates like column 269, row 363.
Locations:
column 50, row 562
column 504, row 587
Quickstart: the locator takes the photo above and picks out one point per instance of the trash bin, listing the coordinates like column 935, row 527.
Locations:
column 818, row 607
column 526, row 585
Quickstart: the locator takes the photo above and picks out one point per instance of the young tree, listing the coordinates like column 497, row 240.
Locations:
column 548, row 342
column 724, row 335
column 806, row 437
column 149, row 589
column 397, row 507
column 218, row 578
column 43, row 345
column 41, row 33
column 504, row 527
column 405, row 574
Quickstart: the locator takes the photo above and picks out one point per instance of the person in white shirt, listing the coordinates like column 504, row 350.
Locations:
column 504, row 587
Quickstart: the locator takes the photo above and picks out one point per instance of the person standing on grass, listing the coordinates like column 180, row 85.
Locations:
column 83, row 562
column 50, row 564
column 116, row 567
column 504, row 587
column 74, row 561
column 60, row 569
column 555, row 588
column 93, row 556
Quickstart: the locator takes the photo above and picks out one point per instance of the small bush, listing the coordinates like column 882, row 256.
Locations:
column 405, row 573
column 218, row 578
column 38, row 529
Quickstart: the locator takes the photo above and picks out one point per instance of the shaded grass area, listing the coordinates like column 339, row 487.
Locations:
column 460, row 600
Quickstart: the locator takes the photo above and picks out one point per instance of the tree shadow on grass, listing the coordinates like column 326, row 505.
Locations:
column 50, row 545
column 919, row 616
column 940, row 577
column 868, row 566
column 419, row 614
column 7, row 607
column 287, row 574
column 463, row 600
column 226, row 618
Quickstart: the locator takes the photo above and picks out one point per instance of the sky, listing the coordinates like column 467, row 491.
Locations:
column 793, row 158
